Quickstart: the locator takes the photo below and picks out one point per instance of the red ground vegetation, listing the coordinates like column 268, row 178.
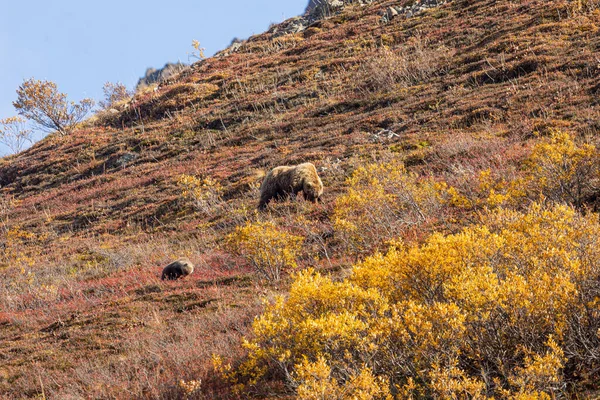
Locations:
column 465, row 87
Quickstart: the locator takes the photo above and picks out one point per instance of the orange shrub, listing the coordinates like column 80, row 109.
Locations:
column 559, row 170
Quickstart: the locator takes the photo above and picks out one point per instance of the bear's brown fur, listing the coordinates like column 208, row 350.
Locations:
column 178, row 269
column 285, row 181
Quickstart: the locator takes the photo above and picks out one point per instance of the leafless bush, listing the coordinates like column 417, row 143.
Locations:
column 6, row 206
column 14, row 134
column 114, row 94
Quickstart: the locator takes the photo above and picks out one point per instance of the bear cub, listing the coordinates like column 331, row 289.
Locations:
column 177, row 269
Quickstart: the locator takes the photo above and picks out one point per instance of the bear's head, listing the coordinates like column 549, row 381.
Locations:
column 313, row 191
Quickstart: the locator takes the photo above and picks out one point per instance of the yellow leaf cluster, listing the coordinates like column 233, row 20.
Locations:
column 42, row 103
column 498, row 309
column 269, row 250
column 562, row 170
column 198, row 50
column 190, row 387
column 381, row 201
column 318, row 383
column 205, row 194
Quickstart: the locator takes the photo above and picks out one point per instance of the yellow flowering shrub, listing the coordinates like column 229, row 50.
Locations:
column 189, row 387
column 506, row 308
column 318, row 383
column 562, row 170
column 490, row 190
column 382, row 200
column 558, row 169
column 205, row 194
column 269, row 250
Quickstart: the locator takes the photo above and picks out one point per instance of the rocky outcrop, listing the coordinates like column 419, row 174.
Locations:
column 235, row 45
column 154, row 75
column 409, row 11
column 289, row 26
column 319, row 9
column 315, row 11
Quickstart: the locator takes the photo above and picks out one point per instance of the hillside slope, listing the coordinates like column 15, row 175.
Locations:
column 88, row 220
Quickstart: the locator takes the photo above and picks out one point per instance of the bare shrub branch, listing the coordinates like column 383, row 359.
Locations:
column 114, row 93
column 14, row 134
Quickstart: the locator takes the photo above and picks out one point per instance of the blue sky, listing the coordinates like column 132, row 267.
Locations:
column 80, row 45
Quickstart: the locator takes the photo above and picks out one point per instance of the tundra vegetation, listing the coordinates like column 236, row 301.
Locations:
column 507, row 307
column 454, row 255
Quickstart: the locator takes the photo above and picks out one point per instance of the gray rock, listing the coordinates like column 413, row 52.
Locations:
column 410, row 11
column 126, row 159
column 235, row 45
column 383, row 136
column 320, row 9
column 314, row 6
column 160, row 75
column 389, row 14
column 315, row 11
column 290, row 26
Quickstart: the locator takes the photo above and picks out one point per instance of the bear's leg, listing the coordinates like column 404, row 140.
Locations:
column 280, row 195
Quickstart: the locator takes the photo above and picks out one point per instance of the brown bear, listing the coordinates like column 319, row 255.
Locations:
column 177, row 269
column 285, row 181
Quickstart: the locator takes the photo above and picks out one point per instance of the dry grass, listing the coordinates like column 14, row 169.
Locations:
column 463, row 87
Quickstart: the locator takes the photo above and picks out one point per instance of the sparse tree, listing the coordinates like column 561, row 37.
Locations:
column 114, row 93
column 42, row 103
column 14, row 134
